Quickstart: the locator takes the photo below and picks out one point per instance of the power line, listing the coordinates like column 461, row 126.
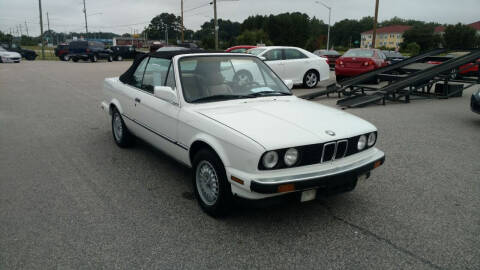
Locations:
column 204, row 5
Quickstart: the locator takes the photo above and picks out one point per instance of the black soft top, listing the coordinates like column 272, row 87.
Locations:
column 127, row 77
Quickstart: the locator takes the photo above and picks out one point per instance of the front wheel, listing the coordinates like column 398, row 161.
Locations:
column 75, row 59
column 310, row 80
column 121, row 134
column 66, row 58
column 119, row 58
column 110, row 58
column 212, row 189
column 94, row 58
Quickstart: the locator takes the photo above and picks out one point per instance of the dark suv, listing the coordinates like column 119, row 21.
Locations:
column 88, row 50
column 61, row 51
column 121, row 52
column 27, row 54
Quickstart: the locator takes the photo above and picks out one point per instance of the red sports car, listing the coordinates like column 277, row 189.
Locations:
column 240, row 48
column 358, row 61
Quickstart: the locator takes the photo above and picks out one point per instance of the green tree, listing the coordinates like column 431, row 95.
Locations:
column 165, row 21
column 460, row 36
column 413, row 48
column 423, row 35
column 346, row 32
column 253, row 37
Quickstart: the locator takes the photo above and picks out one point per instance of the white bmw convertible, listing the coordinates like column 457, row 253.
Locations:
column 238, row 126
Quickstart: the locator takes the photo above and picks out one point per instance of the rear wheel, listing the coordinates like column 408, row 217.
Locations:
column 310, row 80
column 120, row 132
column 74, row 59
column 110, row 58
column 212, row 189
column 66, row 58
column 119, row 58
column 94, row 58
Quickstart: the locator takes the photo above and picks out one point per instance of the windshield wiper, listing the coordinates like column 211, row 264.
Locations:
column 269, row 93
column 220, row 97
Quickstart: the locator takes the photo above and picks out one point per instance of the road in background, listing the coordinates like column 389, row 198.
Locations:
column 70, row 198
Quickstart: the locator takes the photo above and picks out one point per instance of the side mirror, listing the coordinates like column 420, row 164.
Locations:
column 262, row 58
column 165, row 93
column 289, row 84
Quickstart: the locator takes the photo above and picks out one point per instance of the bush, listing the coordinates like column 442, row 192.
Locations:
column 413, row 48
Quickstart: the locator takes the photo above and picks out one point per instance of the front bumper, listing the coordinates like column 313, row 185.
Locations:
column 328, row 175
column 326, row 181
column 11, row 59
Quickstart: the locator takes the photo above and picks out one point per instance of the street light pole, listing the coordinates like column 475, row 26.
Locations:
column 329, row 20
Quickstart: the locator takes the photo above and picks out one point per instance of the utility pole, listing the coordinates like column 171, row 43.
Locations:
column 85, row 13
column 216, row 23
column 182, row 22
column 41, row 28
column 26, row 27
column 374, row 37
column 21, row 33
column 48, row 27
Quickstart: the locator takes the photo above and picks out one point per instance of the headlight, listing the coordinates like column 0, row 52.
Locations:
column 371, row 139
column 270, row 159
column 291, row 157
column 362, row 141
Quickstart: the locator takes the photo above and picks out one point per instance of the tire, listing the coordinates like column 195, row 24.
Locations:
column 310, row 79
column 66, row 58
column 30, row 57
column 94, row 58
column 119, row 58
column 121, row 135
column 210, row 184
column 74, row 59
column 110, row 58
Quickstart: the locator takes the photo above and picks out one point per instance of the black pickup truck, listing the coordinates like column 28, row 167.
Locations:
column 27, row 54
column 88, row 50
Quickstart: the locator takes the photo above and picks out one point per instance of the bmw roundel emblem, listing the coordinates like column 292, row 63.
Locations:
column 329, row 132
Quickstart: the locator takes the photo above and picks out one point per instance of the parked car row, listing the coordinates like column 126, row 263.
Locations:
column 93, row 51
column 24, row 53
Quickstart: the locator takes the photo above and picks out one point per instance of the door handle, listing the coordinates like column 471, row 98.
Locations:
column 137, row 100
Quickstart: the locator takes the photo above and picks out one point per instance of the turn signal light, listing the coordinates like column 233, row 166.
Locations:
column 240, row 181
column 377, row 164
column 286, row 188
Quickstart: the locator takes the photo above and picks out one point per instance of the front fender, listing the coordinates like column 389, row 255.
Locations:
column 215, row 144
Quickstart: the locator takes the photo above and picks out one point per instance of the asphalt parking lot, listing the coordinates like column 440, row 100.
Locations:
column 71, row 199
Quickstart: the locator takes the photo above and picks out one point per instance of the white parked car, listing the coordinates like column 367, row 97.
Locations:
column 9, row 57
column 247, row 138
column 296, row 64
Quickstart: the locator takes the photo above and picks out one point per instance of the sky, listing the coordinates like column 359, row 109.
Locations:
column 127, row 16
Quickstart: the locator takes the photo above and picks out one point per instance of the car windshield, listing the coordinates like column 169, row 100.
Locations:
column 216, row 78
column 359, row 53
column 256, row 51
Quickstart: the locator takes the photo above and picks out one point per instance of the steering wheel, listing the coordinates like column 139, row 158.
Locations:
column 244, row 78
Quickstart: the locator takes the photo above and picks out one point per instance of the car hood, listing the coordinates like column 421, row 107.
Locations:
column 10, row 54
column 285, row 121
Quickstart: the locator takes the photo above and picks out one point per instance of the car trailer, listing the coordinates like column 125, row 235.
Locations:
column 411, row 77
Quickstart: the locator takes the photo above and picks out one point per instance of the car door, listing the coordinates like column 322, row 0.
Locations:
column 296, row 64
column 274, row 59
column 158, row 117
